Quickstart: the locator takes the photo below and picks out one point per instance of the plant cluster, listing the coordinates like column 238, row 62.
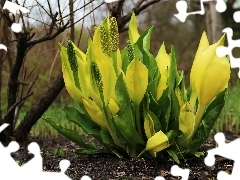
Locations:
column 136, row 104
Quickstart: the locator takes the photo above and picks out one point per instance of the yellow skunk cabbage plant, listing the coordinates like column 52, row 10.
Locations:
column 136, row 104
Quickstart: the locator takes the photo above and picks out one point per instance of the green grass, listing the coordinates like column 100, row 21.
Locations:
column 229, row 118
column 55, row 113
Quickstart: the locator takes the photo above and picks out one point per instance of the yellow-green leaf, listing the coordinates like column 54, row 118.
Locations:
column 148, row 125
column 179, row 97
column 133, row 31
column 163, row 63
column 204, row 44
column 106, row 69
column 74, row 92
column 65, row 63
column 186, row 123
column 96, row 36
column 113, row 106
column 162, row 85
column 163, row 59
column 95, row 113
column 157, row 142
column 136, row 80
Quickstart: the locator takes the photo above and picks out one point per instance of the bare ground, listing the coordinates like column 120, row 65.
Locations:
column 111, row 167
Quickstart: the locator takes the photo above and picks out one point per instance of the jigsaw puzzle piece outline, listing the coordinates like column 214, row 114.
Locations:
column 181, row 6
column 13, row 8
column 227, row 150
column 223, row 50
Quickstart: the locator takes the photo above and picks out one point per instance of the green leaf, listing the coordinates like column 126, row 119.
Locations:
column 208, row 121
column 199, row 154
column 71, row 135
column 157, row 124
column 125, row 61
column 124, row 101
column 173, row 155
column 88, row 126
column 141, row 49
column 128, row 132
column 175, row 111
column 143, row 41
column 172, row 136
column 182, row 89
column 164, row 103
column 179, row 78
column 173, row 69
column 152, row 68
column 91, row 151
column 154, row 106
column 137, row 52
column 152, row 86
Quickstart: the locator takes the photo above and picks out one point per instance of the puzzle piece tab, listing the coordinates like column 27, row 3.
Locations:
column 227, row 150
column 32, row 169
column 182, row 8
column 223, row 51
column 236, row 16
column 177, row 171
column 13, row 8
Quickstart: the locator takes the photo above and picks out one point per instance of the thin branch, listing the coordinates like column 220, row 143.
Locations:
column 16, row 103
column 137, row 10
column 139, row 3
column 69, row 14
column 60, row 13
column 48, row 37
column 87, row 14
column 56, row 56
column 81, row 31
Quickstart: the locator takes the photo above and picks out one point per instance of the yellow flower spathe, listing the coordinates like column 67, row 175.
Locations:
column 186, row 123
column 163, row 62
column 106, row 72
column 204, row 44
column 148, row 125
column 210, row 74
column 133, row 31
column 95, row 113
column 157, row 142
column 74, row 92
column 136, row 80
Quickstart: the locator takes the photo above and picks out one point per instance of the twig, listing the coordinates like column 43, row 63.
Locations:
column 14, row 105
column 55, row 58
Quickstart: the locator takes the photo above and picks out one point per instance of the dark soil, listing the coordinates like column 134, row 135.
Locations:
column 111, row 167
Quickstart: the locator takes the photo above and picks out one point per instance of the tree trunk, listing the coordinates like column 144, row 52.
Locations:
column 41, row 106
column 214, row 25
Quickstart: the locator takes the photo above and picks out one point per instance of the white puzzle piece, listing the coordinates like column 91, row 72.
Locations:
column 182, row 9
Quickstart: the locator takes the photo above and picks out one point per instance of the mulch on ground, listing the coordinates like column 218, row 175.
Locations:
column 111, row 167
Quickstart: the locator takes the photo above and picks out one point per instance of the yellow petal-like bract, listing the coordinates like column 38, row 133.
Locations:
column 148, row 125
column 204, row 44
column 133, row 31
column 210, row 74
column 157, row 142
column 186, row 123
column 163, row 62
column 107, row 72
column 95, row 113
column 136, row 80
